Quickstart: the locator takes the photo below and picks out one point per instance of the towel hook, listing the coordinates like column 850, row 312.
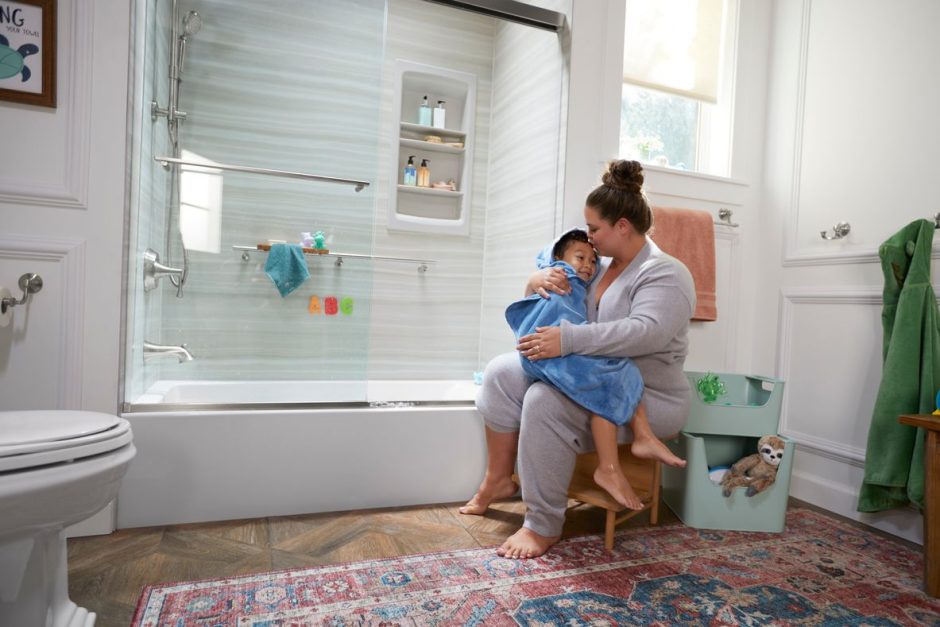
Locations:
column 839, row 231
column 30, row 283
column 936, row 219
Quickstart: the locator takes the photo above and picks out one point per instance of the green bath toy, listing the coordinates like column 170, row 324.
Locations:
column 710, row 387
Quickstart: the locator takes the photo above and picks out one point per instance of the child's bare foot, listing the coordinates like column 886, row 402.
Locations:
column 490, row 490
column 612, row 480
column 654, row 448
column 525, row 544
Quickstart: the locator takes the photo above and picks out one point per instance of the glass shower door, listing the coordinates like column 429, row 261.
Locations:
column 257, row 96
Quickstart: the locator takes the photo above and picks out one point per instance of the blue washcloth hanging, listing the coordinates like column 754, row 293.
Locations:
column 287, row 267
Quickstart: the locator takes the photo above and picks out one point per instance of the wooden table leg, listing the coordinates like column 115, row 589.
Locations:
column 931, row 424
column 932, row 515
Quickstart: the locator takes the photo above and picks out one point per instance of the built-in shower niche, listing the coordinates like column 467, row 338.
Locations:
column 429, row 209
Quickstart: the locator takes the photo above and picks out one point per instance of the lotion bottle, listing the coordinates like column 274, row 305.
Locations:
column 438, row 115
column 424, row 112
column 410, row 172
column 424, row 174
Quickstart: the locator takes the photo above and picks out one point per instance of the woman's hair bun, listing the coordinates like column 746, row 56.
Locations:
column 624, row 175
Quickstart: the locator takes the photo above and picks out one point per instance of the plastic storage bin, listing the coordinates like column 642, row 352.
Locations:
column 698, row 501
column 750, row 406
column 719, row 434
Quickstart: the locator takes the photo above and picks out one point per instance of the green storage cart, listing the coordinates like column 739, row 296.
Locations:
column 719, row 434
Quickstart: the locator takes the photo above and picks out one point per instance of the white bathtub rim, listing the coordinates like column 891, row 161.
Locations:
column 176, row 395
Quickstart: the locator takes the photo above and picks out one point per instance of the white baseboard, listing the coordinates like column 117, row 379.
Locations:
column 906, row 523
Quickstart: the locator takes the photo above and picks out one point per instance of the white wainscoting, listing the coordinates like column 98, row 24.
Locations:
column 829, row 353
column 41, row 350
column 54, row 144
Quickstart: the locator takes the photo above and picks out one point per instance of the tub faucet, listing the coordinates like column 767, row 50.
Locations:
column 152, row 350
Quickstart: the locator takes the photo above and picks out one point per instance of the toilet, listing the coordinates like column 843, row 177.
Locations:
column 56, row 468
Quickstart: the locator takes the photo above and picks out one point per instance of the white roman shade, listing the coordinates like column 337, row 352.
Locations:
column 674, row 46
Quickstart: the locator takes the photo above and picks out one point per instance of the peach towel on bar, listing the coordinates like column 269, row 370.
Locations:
column 689, row 236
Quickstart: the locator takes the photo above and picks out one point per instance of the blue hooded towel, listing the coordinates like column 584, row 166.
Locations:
column 610, row 387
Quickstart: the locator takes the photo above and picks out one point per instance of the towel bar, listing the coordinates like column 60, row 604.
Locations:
column 724, row 219
column 422, row 263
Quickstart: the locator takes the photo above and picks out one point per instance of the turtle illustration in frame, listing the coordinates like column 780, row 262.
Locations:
column 11, row 61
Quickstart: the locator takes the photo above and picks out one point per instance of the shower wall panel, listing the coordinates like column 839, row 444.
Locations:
column 293, row 86
column 524, row 170
column 426, row 326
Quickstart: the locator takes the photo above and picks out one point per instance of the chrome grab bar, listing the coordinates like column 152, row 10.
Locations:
column 166, row 161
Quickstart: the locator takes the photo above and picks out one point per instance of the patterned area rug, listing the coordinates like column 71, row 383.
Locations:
column 819, row 571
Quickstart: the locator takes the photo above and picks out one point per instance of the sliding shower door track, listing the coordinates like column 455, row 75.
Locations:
column 139, row 408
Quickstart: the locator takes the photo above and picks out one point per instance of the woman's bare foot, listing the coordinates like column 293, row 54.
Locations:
column 654, row 448
column 525, row 544
column 490, row 490
column 612, row 480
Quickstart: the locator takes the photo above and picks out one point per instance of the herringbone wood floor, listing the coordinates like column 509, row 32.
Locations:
column 107, row 573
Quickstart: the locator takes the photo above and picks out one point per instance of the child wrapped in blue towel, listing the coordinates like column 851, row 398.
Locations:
column 610, row 388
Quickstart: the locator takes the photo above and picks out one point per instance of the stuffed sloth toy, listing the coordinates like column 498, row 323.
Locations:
column 757, row 471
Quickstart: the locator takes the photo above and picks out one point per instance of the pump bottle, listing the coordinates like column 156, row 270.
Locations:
column 424, row 112
column 410, row 173
column 438, row 115
column 424, row 174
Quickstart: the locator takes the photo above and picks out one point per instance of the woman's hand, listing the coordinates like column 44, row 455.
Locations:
column 545, row 343
column 548, row 280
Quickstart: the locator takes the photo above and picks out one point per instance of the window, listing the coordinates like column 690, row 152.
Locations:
column 676, row 98
column 658, row 128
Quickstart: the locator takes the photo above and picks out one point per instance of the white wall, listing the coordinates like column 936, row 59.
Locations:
column 62, row 199
column 851, row 135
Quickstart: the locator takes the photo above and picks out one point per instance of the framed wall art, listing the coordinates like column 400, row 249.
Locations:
column 27, row 51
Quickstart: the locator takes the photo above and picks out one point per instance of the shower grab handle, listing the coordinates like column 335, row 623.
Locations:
column 154, row 270
column 166, row 161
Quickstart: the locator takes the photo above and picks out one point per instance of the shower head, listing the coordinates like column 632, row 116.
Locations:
column 191, row 24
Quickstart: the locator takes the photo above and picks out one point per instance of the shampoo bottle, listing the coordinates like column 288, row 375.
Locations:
column 424, row 112
column 424, row 174
column 439, row 115
column 410, row 172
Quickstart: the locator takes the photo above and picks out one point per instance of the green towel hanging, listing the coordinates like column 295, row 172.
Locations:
column 894, row 460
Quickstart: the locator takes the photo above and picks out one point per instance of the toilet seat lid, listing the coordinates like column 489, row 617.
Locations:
column 19, row 428
column 92, row 439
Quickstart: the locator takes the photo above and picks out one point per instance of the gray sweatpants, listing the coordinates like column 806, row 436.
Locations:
column 553, row 430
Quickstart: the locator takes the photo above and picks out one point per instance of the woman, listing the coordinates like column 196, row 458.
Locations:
column 640, row 305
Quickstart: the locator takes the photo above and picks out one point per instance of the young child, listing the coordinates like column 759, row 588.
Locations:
column 610, row 388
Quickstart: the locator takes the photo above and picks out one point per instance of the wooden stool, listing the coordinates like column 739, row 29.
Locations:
column 931, row 498
column 643, row 475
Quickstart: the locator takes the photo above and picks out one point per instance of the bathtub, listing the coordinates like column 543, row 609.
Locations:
column 230, row 450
